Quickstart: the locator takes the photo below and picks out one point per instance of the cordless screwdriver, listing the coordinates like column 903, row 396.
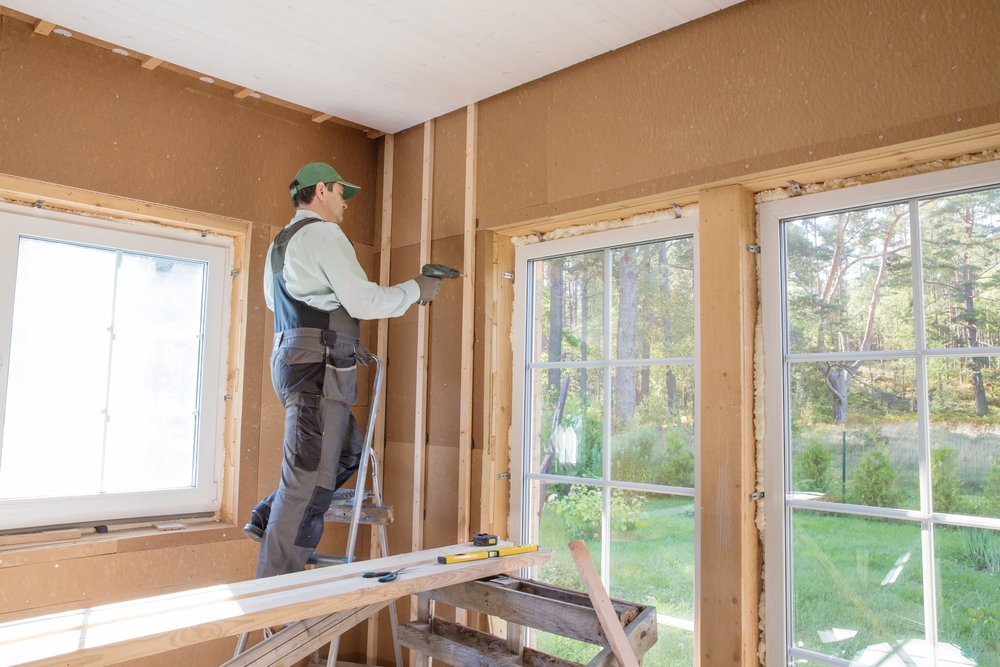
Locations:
column 439, row 271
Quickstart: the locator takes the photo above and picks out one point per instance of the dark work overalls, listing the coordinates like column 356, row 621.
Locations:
column 313, row 368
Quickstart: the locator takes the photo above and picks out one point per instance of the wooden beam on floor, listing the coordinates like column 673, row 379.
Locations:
column 43, row 27
column 727, row 613
column 242, row 93
column 319, row 117
column 381, row 350
column 149, row 62
column 131, row 630
column 468, row 329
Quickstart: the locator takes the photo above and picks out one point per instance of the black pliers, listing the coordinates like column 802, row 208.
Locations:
column 385, row 577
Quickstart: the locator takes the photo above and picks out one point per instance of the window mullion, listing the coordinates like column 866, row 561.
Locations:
column 923, row 433
column 606, row 449
column 107, row 385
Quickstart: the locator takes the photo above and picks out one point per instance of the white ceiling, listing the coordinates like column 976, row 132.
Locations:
column 383, row 64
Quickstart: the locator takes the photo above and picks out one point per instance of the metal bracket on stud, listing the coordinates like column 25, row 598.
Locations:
column 796, row 188
column 507, row 275
column 756, row 495
column 753, row 248
column 677, row 210
column 40, row 203
column 234, row 273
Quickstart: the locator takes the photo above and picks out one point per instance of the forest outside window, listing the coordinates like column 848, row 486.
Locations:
column 609, row 419
column 112, row 371
column 884, row 452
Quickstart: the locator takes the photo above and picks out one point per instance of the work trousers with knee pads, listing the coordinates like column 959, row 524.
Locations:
column 315, row 378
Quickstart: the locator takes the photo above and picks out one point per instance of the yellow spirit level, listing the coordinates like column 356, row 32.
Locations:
column 486, row 553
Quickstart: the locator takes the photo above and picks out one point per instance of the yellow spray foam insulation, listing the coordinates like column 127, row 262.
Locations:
column 605, row 225
column 839, row 183
column 758, row 436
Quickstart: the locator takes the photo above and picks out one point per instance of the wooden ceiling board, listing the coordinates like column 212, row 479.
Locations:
column 383, row 64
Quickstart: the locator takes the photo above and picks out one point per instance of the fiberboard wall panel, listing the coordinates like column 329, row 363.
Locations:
column 762, row 85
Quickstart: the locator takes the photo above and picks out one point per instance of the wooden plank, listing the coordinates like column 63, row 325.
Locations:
column 319, row 117
column 234, row 459
column 641, row 634
column 458, row 645
column 50, row 196
column 374, row 134
column 560, row 611
column 33, row 538
column 301, row 638
column 423, row 342
column 468, row 322
column 602, row 604
column 145, row 627
column 242, row 93
column 43, row 27
column 502, row 373
column 149, row 62
column 730, row 552
column 381, row 350
column 370, row 514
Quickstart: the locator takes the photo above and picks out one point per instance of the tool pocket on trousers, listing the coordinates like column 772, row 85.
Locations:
column 308, row 432
column 340, row 381
column 294, row 369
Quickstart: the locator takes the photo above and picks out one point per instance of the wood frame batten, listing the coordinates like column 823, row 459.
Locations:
column 726, row 607
column 468, row 333
column 381, row 349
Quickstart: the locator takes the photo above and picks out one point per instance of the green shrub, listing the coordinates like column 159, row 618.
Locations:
column 991, row 491
column 874, row 482
column 812, row 468
column 632, row 457
column 581, row 510
column 677, row 466
column 983, row 549
column 945, row 482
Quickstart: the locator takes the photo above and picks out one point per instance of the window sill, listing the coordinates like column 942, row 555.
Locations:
column 120, row 541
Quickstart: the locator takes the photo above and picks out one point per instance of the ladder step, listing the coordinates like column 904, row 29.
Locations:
column 370, row 514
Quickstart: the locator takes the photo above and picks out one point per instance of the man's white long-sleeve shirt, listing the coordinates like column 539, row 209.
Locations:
column 322, row 270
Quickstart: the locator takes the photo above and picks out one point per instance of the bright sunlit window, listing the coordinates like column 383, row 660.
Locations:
column 605, row 393
column 882, row 348
column 111, row 377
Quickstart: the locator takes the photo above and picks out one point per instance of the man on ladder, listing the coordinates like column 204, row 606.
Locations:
column 318, row 292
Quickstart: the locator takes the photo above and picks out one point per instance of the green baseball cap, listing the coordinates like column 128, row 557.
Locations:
column 321, row 172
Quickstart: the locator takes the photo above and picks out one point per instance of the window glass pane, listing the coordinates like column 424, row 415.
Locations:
column 567, row 431
column 960, row 243
column 154, row 374
column 652, row 551
column 849, row 284
column 854, row 432
column 63, row 300
column 857, row 583
column 569, row 308
column 652, row 301
column 673, row 648
column 965, row 434
column 968, row 569
column 561, row 513
column 653, row 426
column 565, row 648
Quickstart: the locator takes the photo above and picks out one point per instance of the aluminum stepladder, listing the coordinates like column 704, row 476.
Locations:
column 319, row 560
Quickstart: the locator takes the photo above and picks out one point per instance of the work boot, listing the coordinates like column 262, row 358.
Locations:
column 258, row 521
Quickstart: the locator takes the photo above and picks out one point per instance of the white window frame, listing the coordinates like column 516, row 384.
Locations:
column 148, row 238
column 777, row 485
column 667, row 228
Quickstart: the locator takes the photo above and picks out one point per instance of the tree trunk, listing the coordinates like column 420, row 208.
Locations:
column 555, row 319
column 838, row 381
column 628, row 313
column 978, row 388
column 668, row 328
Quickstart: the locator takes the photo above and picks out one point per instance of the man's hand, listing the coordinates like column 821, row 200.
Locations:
column 429, row 288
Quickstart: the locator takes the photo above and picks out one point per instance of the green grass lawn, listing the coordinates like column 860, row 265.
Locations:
column 651, row 565
column 840, row 564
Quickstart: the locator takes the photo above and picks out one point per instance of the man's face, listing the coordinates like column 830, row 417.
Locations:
column 332, row 202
